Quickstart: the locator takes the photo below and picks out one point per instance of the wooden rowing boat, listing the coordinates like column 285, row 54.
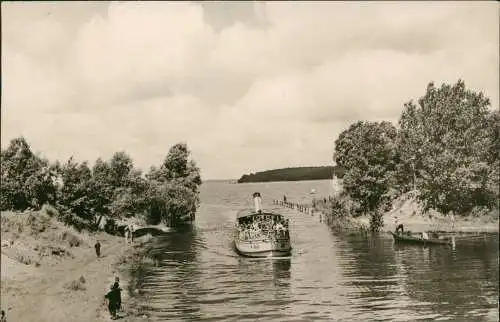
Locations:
column 408, row 239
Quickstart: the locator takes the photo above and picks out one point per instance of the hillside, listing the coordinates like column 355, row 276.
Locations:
column 292, row 174
column 46, row 262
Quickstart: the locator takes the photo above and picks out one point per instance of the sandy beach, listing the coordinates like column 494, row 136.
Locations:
column 44, row 278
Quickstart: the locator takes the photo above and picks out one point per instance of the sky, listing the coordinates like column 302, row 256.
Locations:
column 249, row 86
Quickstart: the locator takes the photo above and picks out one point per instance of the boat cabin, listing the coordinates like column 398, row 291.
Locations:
column 249, row 217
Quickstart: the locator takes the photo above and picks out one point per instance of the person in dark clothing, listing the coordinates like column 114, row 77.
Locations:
column 3, row 318
column 112, row 297
column 97, row 247
column 116, row 287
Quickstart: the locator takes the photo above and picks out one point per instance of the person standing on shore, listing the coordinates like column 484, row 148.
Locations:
column 131, row 232
column 111, row 296
column 3, row 318
column 126, row 234
column 97, row 247
column 116, row 287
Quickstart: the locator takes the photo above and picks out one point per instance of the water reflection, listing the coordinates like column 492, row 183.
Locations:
column 331, row 276
column 417, row 282
column 172, row 281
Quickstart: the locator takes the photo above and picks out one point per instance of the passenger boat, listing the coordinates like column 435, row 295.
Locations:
column 261, row 233
column 409, row 239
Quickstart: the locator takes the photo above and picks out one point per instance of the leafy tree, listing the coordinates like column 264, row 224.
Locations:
column 102, row 183
column 177, row 167
column 131, row 199
column 120, row 166
column 173, row 191
column 450, row 144
column 77, row 194
column 27, row 179
column 366, row 150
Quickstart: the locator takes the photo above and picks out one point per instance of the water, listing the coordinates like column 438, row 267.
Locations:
column 331, row 276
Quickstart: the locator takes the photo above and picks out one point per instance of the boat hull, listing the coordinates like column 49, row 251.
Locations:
column 418, row 241
column 263, row 248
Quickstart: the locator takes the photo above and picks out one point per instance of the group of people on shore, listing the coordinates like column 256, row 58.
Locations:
column 129, row 234
column 263, row 228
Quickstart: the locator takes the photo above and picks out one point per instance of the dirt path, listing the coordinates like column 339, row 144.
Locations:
column 43, row 297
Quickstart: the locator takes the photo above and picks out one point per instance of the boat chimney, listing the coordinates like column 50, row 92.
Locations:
column 257, row 201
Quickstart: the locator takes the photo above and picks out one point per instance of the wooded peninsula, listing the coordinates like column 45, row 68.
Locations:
column 293, row 174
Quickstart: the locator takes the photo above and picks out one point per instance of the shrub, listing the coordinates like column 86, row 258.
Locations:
column 24, row 259
column 76, row 285
column 73, row 241
column 50, row 210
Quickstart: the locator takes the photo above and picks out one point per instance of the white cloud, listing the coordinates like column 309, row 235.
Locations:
column 268, row 87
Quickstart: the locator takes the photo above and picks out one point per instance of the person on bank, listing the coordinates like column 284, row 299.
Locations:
column 114, row 298
column 111, row 296
column 116, row 286
column 97, row 247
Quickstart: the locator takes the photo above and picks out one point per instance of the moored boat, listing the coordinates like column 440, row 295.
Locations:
column 409, row 239
column 261, row 233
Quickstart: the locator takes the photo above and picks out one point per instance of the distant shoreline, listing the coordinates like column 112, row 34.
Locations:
column 293, row 174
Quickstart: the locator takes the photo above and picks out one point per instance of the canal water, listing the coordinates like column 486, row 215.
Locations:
column 331, row 276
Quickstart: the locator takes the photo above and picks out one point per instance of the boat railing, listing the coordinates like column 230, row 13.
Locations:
column 270, row 235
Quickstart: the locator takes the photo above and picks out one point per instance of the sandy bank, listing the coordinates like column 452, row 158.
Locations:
column 51, row 272
column 409, row 212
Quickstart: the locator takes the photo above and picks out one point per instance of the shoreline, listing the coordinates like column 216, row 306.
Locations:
column 408, row 212
column 126, row 267
column 44, row 278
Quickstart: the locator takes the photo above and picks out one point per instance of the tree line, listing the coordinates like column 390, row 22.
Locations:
column 114, row 188
column 444, row 150
column 293, row 174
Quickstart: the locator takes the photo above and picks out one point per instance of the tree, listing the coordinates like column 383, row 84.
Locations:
column 450, row 143
column 131, row 199
column 366, row 150
column 77, row 191
column 173, row 191
column 120, row 166
column 27, row 179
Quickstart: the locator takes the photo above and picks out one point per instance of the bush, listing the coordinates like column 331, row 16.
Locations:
column 480, row 211
column 77, row 285
column 73, row 241
column 24, row 259
column 50, row 210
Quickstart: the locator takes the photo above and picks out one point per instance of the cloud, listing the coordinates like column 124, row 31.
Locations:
column 248, row 86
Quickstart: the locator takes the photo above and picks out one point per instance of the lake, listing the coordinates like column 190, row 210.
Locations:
column 331, row 275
